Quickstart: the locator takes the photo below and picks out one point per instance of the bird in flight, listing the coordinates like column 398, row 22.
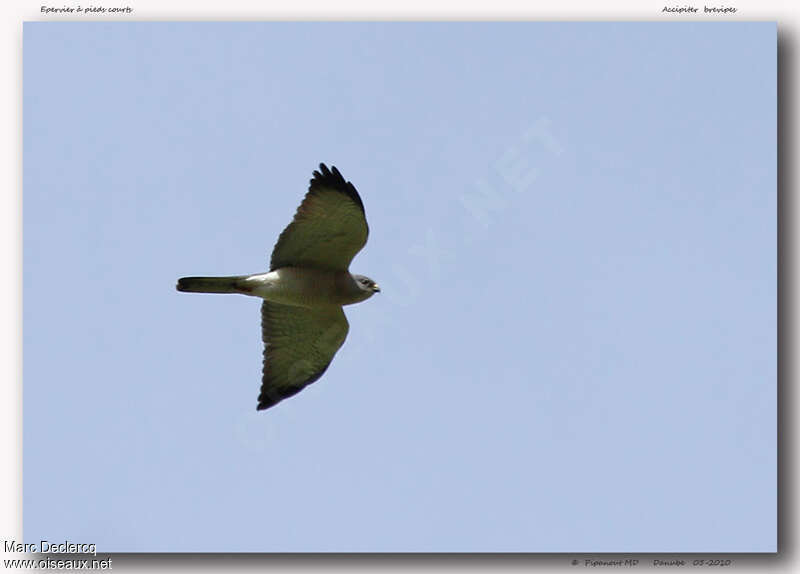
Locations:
column 302, row 320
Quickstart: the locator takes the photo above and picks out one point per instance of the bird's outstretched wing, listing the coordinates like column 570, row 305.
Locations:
column 329, row 228
column 299, row 344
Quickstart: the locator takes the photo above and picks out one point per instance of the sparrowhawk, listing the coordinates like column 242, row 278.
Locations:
column 302, row 321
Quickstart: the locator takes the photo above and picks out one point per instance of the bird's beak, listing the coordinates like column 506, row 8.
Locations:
column 376, row 288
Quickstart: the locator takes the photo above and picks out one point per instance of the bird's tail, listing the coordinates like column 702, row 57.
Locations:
column 210, row 284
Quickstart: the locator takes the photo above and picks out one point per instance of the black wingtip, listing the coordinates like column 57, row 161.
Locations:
column 325, row 177
column 267, row 403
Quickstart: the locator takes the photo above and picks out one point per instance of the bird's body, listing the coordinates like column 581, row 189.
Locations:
column 303, row 287
column 302, row 322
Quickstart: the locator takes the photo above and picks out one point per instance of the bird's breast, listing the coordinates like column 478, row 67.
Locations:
column 304, row 287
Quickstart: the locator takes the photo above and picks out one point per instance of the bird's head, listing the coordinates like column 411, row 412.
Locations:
column 366, row 285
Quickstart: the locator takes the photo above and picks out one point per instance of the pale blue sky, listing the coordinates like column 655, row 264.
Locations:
column 574, row 227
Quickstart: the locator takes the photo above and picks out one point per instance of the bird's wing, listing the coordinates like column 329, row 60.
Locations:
column 299, row 344
column 329, row 228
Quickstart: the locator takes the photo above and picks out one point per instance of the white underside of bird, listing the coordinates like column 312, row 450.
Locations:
column 288, row 286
